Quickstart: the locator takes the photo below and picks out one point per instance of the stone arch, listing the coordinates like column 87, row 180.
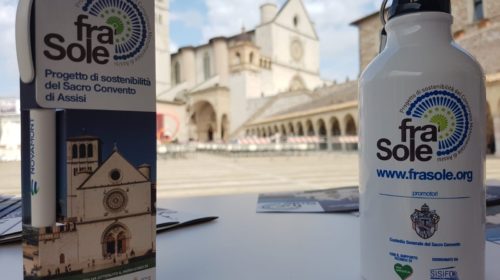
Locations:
column 350, row 130
column 270, row 131
column 300, row 129
column 115, row 240
column 224, row 128
column 310, row 128
column 335, row 132
column 350, row 126
column 283, row 130
column 276, row 129
column 490, row 131
column 291, row 130
column 203, row 122
column 323, row 134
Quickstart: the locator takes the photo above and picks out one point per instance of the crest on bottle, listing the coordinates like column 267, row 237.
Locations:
column 425, row 222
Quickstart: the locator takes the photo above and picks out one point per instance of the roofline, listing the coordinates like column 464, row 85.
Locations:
column 358, row 21
column 226, row 38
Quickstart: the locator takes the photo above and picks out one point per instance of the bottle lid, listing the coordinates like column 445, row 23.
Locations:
column 402, row 7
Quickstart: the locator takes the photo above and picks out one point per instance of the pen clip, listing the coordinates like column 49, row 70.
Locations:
column 23, row 41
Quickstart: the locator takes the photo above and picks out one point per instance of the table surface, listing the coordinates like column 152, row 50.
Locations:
column 245, row 245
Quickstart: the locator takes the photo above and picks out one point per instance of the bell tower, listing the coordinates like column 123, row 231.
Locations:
column 83, row 155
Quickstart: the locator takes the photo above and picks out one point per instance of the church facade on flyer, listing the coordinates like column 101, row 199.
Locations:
column 110, row 219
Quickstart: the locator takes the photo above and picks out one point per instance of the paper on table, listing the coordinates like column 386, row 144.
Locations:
column 333, row 200
column 11, row 219
column 319, row 201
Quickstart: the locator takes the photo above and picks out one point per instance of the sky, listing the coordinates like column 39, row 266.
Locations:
column 194, row 22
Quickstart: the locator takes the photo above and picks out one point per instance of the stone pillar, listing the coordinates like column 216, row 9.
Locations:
column 496, row 129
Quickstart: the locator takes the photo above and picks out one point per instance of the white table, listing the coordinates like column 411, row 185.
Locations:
column 244, row 245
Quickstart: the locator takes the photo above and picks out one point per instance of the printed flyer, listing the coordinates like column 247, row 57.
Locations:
column 88, row 129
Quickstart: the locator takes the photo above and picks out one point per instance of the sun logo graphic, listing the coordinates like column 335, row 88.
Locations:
column 129, row 23
column 450, row 113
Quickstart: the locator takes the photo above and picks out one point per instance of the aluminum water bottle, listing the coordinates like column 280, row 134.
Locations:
column 422, row 151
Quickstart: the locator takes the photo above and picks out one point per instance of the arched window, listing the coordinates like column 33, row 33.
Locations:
column 110, row 244
column 238, row 58
column 83, row 153
column 478, row 10
column 206, row 66
column 90, row 150
column 296, row 21
column 251, row 58
column 61, row 259
column 177, row 73
column 74, row 151
column 121, row 243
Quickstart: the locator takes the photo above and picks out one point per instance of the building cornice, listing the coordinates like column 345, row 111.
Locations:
column 307, row 113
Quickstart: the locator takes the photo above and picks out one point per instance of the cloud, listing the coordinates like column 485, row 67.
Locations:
column 9, row 76
column 332, row 19
column 190, row 18
column 227, row 17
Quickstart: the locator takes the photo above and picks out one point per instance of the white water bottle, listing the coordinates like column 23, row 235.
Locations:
column 422, row 151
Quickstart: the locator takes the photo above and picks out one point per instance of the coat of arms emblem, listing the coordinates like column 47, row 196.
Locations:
column 425, row 222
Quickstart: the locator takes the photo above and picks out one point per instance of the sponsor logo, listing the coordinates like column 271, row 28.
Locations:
column 122, row 34
column 425, row 222
column 437, row 123
column 403, row 271
column 445, row 273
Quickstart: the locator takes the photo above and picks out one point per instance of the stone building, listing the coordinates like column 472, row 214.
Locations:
column 110, row 217
column 332, row 111
column 219, row 86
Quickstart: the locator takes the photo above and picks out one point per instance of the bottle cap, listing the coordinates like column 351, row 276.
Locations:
column 402, row 7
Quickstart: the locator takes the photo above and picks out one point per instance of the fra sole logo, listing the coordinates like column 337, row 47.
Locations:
column 450, row 113
column 129, row 22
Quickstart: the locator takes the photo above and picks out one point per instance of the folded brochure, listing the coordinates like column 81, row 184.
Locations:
column 11, row 219
column 346, row 199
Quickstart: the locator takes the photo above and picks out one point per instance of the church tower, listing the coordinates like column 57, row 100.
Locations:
column 245, row 79
column 83, row 155
column 162, row 15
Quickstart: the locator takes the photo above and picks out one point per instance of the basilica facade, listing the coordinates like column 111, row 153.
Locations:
column 218, row 86
column 265, row 82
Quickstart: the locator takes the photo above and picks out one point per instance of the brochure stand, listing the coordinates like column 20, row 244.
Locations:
column 88, row 129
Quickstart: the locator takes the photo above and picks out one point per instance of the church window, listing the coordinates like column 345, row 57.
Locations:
column 121, row 243
column 90, row 150
column 110, row 244
column 115, row 174
column 83, row 153
column 206, row 66
column 177, row 73
column 61, row 259
column 238, row 58
column 478, row 10
column 296, row 21
column 74, row 151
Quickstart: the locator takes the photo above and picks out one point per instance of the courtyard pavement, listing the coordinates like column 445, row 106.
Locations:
column 204, row 174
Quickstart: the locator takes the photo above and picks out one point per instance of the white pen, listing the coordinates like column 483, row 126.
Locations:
column 42, row 152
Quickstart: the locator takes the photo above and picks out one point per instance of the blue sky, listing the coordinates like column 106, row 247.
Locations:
column 194, row 22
